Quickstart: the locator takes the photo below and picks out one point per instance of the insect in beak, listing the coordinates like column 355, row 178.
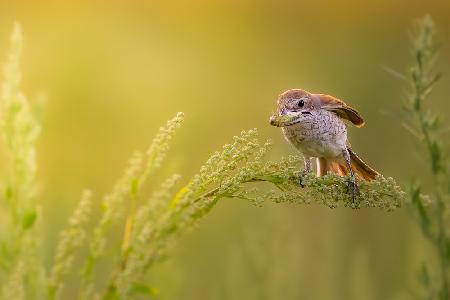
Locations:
column 288, row 119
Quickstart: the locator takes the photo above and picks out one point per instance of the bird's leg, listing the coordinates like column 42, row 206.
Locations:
column 352, row 185
column 307, row 169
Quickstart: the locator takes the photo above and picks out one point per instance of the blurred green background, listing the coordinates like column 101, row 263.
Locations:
column 114, row 71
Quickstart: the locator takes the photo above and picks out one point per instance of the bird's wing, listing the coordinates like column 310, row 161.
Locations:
column 344, row 111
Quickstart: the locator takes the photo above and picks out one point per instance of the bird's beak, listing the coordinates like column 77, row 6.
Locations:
column 287, row 119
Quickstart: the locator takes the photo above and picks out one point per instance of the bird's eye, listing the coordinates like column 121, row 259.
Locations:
column 301, row 103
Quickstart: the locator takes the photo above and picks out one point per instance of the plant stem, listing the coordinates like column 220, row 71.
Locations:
column 434, row 214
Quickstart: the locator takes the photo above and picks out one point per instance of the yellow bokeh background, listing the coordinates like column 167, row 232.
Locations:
column 114, row 71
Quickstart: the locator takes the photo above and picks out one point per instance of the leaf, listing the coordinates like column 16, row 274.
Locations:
column 144, row 289
column 448, row 187
column 28, row 219
column 424, row 276
column 447, row 248
column 425, row 218
column 134, row 187
column 9, row 193
column 435, row 155
column 414, row 192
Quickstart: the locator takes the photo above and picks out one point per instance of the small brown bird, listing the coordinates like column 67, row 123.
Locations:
column 313, row 123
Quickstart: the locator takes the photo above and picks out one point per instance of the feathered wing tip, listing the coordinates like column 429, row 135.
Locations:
column 339, row 107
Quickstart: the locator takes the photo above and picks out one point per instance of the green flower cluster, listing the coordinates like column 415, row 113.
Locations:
column 332, row 190
column 234, row 172
column 20, row 271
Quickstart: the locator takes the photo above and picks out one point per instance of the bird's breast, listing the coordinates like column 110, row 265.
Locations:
column 321, row 134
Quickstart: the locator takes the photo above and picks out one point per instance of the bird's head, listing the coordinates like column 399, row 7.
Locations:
column 294, row 106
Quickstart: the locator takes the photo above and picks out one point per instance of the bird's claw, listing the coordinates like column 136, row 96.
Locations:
column 301, row 176
column 353, row 188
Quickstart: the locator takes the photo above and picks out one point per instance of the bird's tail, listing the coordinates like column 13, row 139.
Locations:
column 359, row 167
column 324, row 166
